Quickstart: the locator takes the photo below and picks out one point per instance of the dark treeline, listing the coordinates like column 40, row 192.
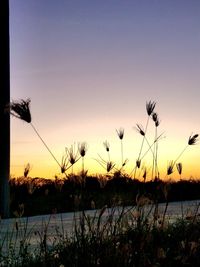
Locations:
column 35, row 196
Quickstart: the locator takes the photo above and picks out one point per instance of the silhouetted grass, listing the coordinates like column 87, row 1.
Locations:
column 120, row 232
column 109, row 237
column 62, row 194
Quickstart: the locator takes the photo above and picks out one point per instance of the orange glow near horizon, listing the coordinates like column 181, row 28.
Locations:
column 44, row 166
column 192, row 171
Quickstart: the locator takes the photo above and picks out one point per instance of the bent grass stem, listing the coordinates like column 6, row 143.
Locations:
column 45, row 144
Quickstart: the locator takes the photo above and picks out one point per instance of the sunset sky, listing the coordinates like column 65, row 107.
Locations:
column 89, row 66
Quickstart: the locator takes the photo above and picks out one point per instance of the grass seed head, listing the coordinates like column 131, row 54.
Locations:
column 120, row 133
column 155, row 119
column 179, row 167
column 21, row 110
column 139, row 128
column 125, row 162
column 27, row 170
column 170, row 167
column 72, row 155
column 144, row 174
column 109, row 166
column 138, row 163
column 193, row 139
column 64, row 164
column 82, row 149
column 150, row 106
column 106, row 145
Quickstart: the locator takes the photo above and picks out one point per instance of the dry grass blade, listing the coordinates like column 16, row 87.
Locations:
column 21, row 109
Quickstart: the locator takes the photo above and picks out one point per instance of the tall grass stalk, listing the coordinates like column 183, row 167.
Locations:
column 120, row 134
column 82, row 150
column 44, row 143
column 139, row 128
column 179, row 167
column 192, row 140
column 107, row 147
column 107, row 165
column 146, row 152
column 73, row 157
column 149, row 109
column 155, row 172
column 21, row 110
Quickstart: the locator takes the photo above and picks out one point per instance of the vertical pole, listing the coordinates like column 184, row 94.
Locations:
column 4, row 116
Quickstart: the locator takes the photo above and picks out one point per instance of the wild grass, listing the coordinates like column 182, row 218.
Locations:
column 64, row 194
column 102, row 190
column 134, row 236
column 126, row 229
column 21, row 110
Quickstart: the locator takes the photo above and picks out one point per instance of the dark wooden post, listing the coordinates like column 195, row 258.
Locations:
column 4, row 116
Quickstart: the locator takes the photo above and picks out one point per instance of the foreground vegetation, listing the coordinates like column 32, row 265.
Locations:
column 66, row 195
column 134, row 236
column 110, row 237
column 78, row 192
column 130, row 236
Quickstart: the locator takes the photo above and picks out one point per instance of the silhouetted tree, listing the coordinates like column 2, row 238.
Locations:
column 4, row 116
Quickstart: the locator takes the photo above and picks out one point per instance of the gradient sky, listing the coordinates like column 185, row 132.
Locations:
column 90, row 66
